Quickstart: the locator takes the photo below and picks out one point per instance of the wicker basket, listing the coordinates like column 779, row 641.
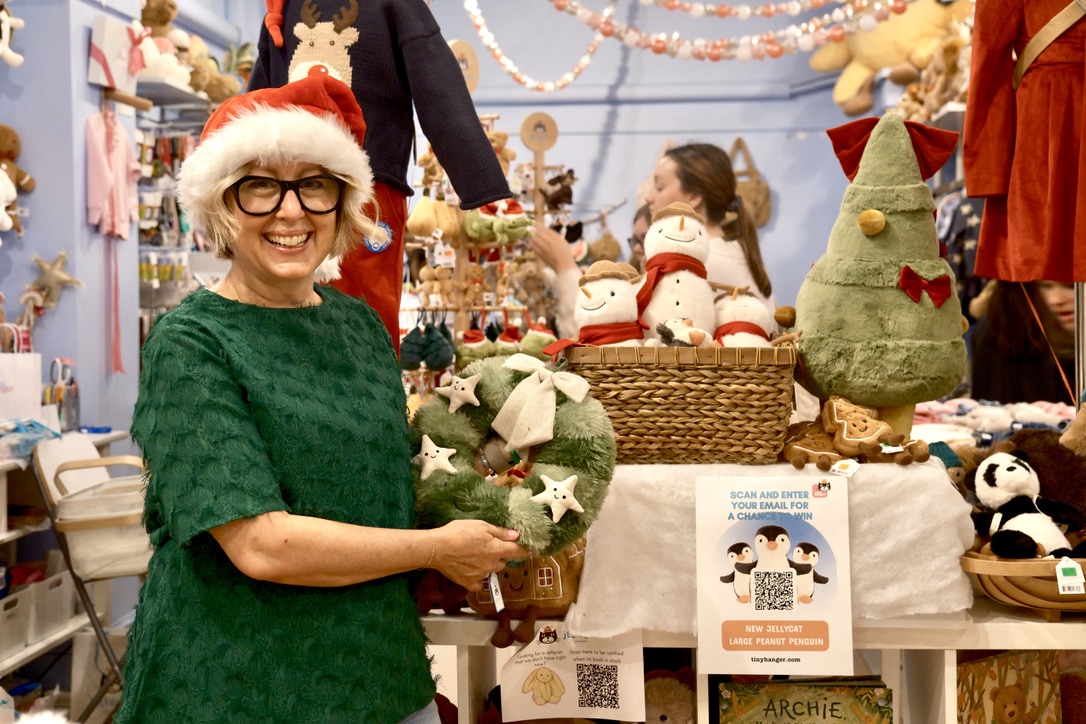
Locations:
column 690, row 405
column 1030, row 583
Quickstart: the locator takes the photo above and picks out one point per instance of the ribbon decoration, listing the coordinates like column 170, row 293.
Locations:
column 938, row 289
column 99, row 57
column 136, row 61
column 527, row 417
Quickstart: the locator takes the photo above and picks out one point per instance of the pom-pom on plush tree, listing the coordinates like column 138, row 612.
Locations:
column 881, row 323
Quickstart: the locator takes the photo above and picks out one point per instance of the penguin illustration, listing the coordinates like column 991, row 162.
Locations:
column 742, row 559
column 805, row 556
column 771, row 543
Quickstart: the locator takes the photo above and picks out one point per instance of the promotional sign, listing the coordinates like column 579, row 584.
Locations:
column 561, row 675
column 773, row 575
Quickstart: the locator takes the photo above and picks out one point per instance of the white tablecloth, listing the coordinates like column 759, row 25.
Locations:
column 907, row 529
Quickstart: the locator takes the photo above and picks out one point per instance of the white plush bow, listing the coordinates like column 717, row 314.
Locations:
column 527, row 417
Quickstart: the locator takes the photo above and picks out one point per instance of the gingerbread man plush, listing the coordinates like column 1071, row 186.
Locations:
column 10, row 146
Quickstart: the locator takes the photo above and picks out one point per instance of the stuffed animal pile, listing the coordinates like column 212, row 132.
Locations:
column 881, row 324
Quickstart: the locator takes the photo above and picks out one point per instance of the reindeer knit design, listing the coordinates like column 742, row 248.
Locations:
column 392, row 55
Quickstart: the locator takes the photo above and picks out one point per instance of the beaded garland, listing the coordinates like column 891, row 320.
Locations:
column 833, row 26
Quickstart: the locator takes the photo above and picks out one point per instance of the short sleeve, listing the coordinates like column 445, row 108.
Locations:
column 207, row 463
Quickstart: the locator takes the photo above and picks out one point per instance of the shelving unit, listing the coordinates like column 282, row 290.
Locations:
column 918, row 653
column 101, row 590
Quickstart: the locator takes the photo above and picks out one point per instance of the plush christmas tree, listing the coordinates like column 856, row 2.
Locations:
column 881, row 323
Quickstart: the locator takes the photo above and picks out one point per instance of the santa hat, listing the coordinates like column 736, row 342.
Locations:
column 316, row 120
column 509, row 338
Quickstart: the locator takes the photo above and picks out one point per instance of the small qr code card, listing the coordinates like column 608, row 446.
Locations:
column 559, row 675
column 773, row 576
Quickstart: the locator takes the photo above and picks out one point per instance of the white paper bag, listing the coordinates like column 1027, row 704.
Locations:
column 20, row 381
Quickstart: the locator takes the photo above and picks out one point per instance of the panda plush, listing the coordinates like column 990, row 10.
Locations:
column 1022, row 524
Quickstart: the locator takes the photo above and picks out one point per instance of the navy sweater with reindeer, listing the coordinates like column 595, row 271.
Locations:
column 392, row 54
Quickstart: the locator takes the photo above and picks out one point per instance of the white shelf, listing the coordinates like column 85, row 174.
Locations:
column 36, row 649
column 163, row 92
column 17, row 533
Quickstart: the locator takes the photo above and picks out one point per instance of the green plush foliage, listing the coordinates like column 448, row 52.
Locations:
column 863, row 336
column 583, row 445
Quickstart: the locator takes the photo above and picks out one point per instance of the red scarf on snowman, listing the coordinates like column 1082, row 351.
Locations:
column 665, row 263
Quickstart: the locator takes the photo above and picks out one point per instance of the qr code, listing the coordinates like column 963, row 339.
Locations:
column 597, row 686
column 774, row 590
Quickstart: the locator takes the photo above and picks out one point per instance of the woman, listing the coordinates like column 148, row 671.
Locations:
column 700, row 175
column 272, row 419
column 1012, row 356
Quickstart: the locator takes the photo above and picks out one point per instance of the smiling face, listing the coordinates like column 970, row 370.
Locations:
column 677, row 234
column 612, row 300
column 275, row 255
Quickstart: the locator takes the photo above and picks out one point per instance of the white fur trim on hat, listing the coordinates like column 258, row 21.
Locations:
column 263, row 134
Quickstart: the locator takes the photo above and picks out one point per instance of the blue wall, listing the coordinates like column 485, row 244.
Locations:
column 612, row 124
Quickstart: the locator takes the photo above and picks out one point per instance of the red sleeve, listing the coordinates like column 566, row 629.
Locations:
column 990, row 116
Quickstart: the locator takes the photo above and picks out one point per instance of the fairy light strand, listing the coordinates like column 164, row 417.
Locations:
column 507, row 64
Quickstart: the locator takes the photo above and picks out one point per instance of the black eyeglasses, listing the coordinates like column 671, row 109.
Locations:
column 263, row 195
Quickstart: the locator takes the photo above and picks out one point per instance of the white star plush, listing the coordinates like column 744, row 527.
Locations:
column 461, row 391
column 559, row 496
column 432, row 458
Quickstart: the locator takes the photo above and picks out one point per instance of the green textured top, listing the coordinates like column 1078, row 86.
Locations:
column 244, row 410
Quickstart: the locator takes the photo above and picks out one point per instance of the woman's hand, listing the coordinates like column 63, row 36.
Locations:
column 552, row 249
column 467, row 551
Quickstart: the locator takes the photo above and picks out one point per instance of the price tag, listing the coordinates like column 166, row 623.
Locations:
column 1069, row 577
column 891, row 449
column 846, row 467
column 496, row 592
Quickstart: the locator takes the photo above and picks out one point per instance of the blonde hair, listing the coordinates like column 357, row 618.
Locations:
column 352, row 224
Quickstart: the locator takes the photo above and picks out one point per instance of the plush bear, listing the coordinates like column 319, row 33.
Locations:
column 1009, row 706
column 498, row 139
column 426, row 287
column 1020, row 522
column 10, row 147
column 206, row 77
column 158, row 15
column 472, row 288
column 8, row 25
column 445, row 286
column 432, row 173
column 854, row 426
column 945, row 76
column 808, row 442
column 904, row 44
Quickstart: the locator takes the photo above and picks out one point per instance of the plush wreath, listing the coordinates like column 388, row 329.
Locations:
column 517, row 443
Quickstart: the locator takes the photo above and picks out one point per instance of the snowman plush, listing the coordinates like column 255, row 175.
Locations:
column 606, row 311
column 676, row 285
column 743, row 320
